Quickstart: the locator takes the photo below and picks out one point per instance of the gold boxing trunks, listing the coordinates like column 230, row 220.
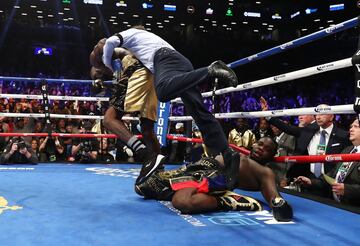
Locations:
column 140, row 95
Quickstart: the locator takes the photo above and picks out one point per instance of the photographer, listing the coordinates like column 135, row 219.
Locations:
column 17, row 152
column 52, row 150
column 85, row 150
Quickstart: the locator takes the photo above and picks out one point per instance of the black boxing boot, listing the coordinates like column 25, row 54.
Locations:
column 282, row 211
column 226, row 75
column 150, row 163
column 231, row 168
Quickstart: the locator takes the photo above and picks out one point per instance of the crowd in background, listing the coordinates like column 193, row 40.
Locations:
column 62, row 149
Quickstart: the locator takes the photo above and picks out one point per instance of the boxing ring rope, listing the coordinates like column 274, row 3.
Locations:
column 20, row 79
column 59, row 98
column 281, row 48
column 337, row 109
column 297, row 42
column 286, row 159
column 302, row 73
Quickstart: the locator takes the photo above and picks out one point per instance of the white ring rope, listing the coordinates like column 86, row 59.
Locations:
column 338, row 109
column 306, row 72
column 60, row 98
column 61, row 116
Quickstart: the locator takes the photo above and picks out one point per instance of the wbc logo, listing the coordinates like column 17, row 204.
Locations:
column 4, row 205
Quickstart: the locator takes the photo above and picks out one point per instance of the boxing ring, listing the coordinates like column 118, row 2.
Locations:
column 78, row 204
column 72, row 204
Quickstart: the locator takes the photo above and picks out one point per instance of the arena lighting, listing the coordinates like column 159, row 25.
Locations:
column 190, row 9
column 43, row 51
column 121, row 4
column 100, row 2
column 310, row 11
column 252, row 14
column 147, row 5
column 276, row 17
column 294, row 14
column 229, row 12
column 209, row 11
column 336, row 7
column 169, row 7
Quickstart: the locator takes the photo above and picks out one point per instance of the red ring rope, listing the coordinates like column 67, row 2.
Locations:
column 293, row 159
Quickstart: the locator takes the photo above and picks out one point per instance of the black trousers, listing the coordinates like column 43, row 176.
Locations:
column 174, row 76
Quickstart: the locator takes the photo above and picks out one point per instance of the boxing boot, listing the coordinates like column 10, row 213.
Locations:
column 232, row 201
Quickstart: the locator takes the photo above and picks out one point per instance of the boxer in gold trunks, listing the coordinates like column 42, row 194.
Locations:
column 132, row 93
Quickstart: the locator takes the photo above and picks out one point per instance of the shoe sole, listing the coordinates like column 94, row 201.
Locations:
column 158, row 161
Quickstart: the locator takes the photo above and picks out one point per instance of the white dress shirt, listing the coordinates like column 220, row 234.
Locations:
column 141, row 43
column 313, row 145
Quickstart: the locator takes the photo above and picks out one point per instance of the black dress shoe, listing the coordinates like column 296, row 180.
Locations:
column 226, row 75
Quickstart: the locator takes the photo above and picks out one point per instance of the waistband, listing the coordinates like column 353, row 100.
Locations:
column 132, row 68
column 164, row 51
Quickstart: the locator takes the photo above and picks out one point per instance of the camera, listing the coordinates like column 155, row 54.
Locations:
column 83, row 154
column 86, row 146
column 20, row 143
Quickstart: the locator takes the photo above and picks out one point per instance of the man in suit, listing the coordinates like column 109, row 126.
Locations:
column 346, row 188
column 286, row 146
column 306, row 119
column 308, row 140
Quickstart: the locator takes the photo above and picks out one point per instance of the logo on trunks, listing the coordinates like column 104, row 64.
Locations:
column 322, row 109
column 284, row 46
column 279, row 77
column 333, row 158
column 325, row 67
column 333, row 28
column 4, row 205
